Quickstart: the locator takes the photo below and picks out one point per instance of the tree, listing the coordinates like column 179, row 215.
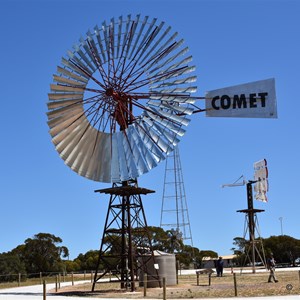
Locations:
column 42, row 253
column 285, row 248
column 158, row 238
column 10, row 266
column 240, row 243
column 239, row 250
column 174, row 242
column 204, row 253
column 87, row 261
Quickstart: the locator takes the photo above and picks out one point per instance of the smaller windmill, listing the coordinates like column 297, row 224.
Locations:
column 254, row 250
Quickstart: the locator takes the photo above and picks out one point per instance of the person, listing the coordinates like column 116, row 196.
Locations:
column 219, row 267
column 271, row 267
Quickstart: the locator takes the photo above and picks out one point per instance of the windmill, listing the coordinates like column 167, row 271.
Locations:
column 174, row 209
column 118, row 106
column 251, row 227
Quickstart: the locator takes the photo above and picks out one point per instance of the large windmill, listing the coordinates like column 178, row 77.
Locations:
column 118, row 106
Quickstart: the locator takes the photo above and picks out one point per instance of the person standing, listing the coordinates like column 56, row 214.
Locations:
column 271, row 267
column 219, row 267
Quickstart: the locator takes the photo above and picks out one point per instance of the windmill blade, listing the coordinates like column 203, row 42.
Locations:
column 176, row 108
column 169, row 60
column 166, row 123
column 69, row 74
column 175, row 98
column 145, row 150
column 150, row 139
column 156, row 135
column 171, row 116
column 187, row 80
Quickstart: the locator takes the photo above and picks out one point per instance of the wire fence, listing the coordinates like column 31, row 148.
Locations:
column 24, row 279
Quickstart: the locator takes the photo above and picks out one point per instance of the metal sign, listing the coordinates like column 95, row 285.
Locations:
column 250, row 100
column 261, row 177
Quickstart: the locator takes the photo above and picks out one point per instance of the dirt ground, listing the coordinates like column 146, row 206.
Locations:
column 247, row 285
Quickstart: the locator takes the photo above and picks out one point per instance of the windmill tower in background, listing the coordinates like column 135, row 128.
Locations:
column 174, row 209
column 254, row 249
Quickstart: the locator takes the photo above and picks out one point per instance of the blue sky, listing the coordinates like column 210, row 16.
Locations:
column 232, row 42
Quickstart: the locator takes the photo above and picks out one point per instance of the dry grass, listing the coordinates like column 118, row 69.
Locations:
column 248, row 285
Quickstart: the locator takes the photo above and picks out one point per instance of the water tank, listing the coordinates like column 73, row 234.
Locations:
column 164, row 266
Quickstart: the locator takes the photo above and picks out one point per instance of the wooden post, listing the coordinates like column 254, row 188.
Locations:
column 84, row 273
column 197, row 278
column 235, row 287
column 92, row 276
column 72, row 278
column 164, row 289
column 19, row 280
column 209, row 279
column 56, row 283
column 41, row 278
column 59, row 280
column 145, row 284
column 177, row 269
column 44, row 290
column 299, row 275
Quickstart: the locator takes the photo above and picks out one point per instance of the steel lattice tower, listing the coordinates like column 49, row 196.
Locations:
column 174, row 210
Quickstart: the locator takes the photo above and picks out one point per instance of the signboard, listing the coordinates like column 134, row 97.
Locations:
column 250, row 100
column 261, row 177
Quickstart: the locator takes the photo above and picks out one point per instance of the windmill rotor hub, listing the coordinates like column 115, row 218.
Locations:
column 109, row 92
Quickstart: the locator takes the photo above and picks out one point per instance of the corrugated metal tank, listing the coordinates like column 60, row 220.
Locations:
column 166, row 264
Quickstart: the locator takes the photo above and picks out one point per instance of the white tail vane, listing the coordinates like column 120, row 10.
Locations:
column 261, row 177
column 249, row 100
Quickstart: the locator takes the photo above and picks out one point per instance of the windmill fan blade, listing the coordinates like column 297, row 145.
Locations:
column 119, row 101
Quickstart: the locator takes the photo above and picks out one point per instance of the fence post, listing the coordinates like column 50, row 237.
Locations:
column 235, row 287
column 299, row 275
column 164, row 289
column 56, row 283
column 84, row 274
column 177, row 270
column 44, row 290
column 145, row 284
column 41, row 278
column 72, row 278
column 209, row 279
column 197, row 278
column 92, row 276
column 178, row 267
column 19, row 279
